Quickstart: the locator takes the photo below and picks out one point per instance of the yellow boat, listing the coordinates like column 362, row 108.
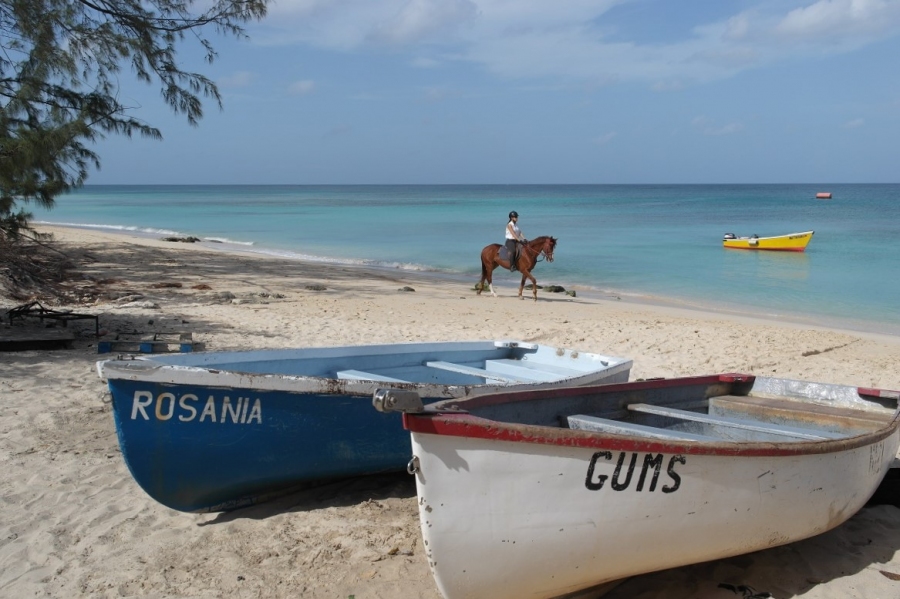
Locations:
column 793, row 242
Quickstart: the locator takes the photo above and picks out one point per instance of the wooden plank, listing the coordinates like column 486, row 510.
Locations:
column 450, row 366
column 799, row 409
column 748, row 425
column 359, row 375
column 148, row 343
column 27, row 339
column 528, row 368
column 602, row 425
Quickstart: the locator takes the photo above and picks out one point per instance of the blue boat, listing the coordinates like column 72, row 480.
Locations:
column 221, row 430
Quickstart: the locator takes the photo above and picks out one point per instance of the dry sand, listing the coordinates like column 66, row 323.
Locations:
column 75, row 524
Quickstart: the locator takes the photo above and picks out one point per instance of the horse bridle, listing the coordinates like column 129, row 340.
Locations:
column 541, row 255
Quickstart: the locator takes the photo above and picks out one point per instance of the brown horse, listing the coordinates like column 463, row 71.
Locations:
column 525, row 262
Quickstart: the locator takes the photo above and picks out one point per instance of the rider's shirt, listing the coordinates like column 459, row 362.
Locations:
column 512, row 231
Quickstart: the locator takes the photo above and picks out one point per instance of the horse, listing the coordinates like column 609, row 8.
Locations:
column 525, row 262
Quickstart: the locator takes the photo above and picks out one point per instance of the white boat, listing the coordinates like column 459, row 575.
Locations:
column 219, row 430
column 537, row 494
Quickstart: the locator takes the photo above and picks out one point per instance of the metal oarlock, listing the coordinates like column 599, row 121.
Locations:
column 397, row 400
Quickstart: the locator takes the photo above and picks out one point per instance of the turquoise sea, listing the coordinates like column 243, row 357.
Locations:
column 658, row 243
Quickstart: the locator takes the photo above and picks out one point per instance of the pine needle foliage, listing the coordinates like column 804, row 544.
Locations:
column 60, row 62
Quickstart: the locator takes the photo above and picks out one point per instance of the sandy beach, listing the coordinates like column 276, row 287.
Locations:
column 75, row 524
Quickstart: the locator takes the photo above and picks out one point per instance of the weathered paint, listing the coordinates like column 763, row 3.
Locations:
column 530, row 511
column 218, row 430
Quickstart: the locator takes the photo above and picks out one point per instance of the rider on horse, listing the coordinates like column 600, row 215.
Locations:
column 513, row 238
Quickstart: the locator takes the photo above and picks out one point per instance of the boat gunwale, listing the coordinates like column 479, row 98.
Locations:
column 220, row 379
column 149, row 370
column 465, row 424
column 799, row 234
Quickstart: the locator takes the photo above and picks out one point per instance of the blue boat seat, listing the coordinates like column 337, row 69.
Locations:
column 359, row 375
column 487, row 374
column 595, row 424
column 737, row 423
column 536, row 370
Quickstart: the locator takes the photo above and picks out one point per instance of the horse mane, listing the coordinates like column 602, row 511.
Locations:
column 542, row 238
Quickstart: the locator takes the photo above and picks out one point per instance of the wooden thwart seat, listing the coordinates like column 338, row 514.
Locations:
column 787, row 408
column 526, row 369
column 487, row 374
column 359, row 375
column 602, row 425
column 737, row 423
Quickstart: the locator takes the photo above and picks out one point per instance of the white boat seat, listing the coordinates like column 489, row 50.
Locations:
column 450, row 366
column 595, row 424
column 536, row 370
column 359, row 375
column 747, row 425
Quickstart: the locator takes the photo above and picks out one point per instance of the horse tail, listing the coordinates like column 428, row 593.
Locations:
column 484, row 263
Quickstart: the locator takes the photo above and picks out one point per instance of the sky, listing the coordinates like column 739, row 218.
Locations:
column 535, row 92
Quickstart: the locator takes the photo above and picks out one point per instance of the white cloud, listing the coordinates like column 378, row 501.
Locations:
column 424, row 63
column 437, row 94
column 707, row 127
column 302, row 88
column 667, row 86
column 728, row 129
column 572, row 40
column 841, row 18
column 419, row 19
column 605, row 138
column 238, row 79
column 854, row 124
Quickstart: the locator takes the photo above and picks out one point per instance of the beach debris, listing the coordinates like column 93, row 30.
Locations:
column 201, row 287
column 149, row 343
column 166, row 285
column 271, row 295
column 571, row 293
column 182, row 239
column 221, row 297
column 555, row 288
column 139, row 304
column 62, row 316
column 815, row 352
column 316, row 287
column 406, row 288
column 124, row 296
column 747, row 592
column 890, row 575
column 16, row 339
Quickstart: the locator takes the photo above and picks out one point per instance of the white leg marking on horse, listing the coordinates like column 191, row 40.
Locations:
column 491, row 285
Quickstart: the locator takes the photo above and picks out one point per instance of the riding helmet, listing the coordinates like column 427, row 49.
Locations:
column 513, row 213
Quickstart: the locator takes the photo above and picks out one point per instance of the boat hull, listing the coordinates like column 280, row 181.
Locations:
column 513, row 511
column 224, row 430
column 794, row 242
